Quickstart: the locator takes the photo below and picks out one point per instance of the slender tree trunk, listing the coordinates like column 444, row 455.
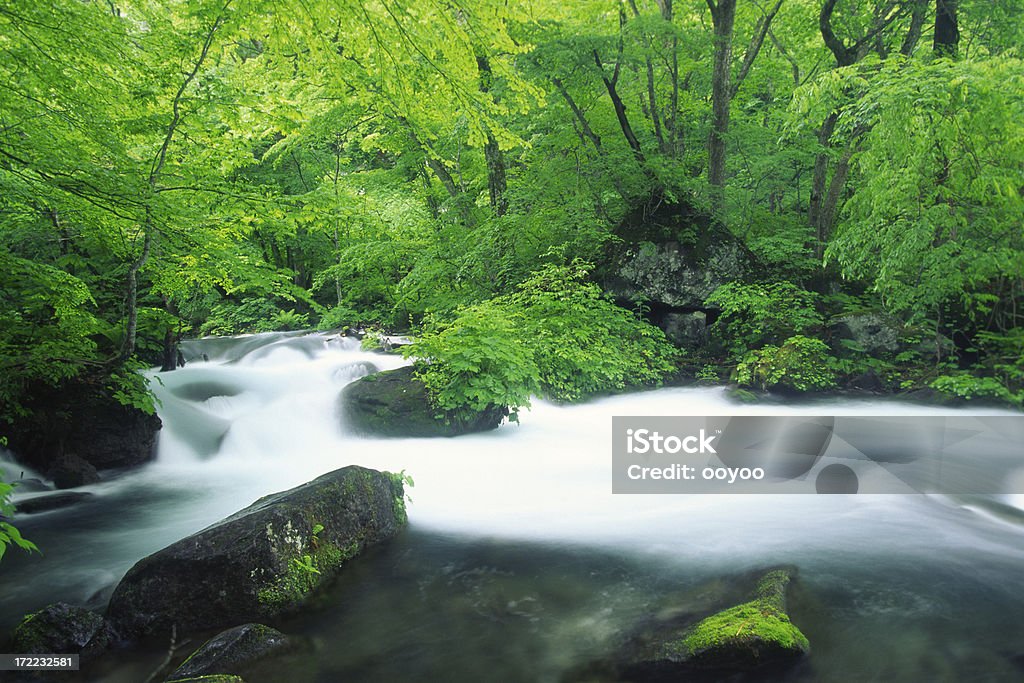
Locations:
column 917, row 18
column 620, row 108
column 724, row 16
column 496, row 179
column 946, row 42
column 149, row 227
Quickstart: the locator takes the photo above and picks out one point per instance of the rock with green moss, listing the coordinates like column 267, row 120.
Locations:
column 233, row 652
column 395, row 404
column 755, row 635
column 63, row 628
column 262, row 561
column 215, row 678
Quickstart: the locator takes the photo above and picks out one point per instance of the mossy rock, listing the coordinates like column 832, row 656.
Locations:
column 63, row 628
column 756, row 635
column 215, row 678
column 233, row 651
column 395, row 404
column 262, row 561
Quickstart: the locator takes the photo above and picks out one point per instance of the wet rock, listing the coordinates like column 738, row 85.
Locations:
column 233, row 651
column 395, row 404
column 756, row 635
column 63, row 629
column 71, row 471
column 263, row 560
column 81, row 419
column 53, row 501
column 215, row 678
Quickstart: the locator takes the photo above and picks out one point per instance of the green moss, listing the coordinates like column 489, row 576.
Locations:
column 305, row 573
column 29, row 635
column 757, row 620
column 214, row 678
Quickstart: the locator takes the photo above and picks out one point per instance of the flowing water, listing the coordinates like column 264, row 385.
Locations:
column 519, row 564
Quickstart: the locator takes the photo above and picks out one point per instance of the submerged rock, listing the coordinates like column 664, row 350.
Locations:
column 394, row 403
column 263, row 560
column 756, row 635
column 63, row 629
column 53, row 501
column 233, row 651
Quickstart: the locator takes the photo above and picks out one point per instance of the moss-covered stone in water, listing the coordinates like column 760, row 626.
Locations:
column 758, row 629
column 755, row 635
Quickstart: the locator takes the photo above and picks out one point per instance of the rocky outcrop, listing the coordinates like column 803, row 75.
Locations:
column 64, row 629
column 233, row 652
column 755, row 635
column 670, row 259
column 78, row 428
column 395, row 404
column 263, row 560
column 876, row 334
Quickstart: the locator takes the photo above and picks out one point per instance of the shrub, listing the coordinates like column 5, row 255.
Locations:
column 801, row 363
column 759, row 314
column 557, row 335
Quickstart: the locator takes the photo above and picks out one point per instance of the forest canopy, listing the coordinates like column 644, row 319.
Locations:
column 187, row 167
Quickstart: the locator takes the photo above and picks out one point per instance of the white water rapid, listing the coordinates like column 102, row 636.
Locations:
column 899, row 587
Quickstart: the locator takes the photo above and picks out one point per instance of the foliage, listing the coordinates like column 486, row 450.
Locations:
column 557, row 335
column 936, row 212
column 8, row 532
column 968, row 386
column 476, row 361
column 801, row 363
column 757, row 314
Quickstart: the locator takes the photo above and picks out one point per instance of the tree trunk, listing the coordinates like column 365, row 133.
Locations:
column 153, row 181
column 496, row 181
column 724, row 16
column 946, row 42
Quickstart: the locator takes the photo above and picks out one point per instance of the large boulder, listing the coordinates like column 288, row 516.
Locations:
column 675, row 275
column 64, row 629
column 756, row 635
column 233, row 651
column 670, row 257
column 263, row 560
column 873, row 333
column 80, row 422
column 395, row 404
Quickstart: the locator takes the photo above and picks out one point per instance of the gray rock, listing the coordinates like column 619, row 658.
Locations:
column 70, row 471
column 874, row 333
column 673, row 275
column 233, row 651
column 687, row 330
column 261, row 561
column 395, row 404
column 63, row 629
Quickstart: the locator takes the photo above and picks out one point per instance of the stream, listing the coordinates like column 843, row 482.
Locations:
column 519, row 563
